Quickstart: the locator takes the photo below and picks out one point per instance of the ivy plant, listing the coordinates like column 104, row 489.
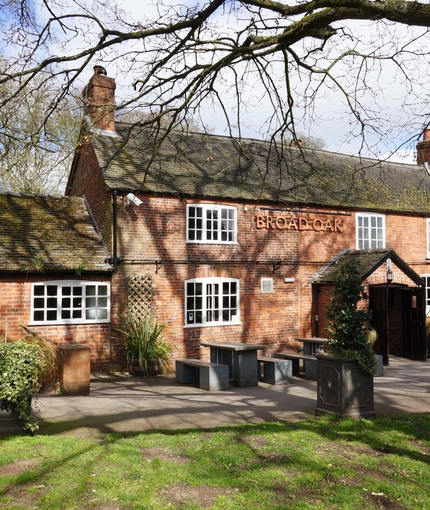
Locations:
column 348, row 322
column 22, row 363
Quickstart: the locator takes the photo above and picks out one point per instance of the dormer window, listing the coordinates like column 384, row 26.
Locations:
column 211, row 223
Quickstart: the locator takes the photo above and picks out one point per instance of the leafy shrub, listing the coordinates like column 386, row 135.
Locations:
column 22, row 364
column 348, row 324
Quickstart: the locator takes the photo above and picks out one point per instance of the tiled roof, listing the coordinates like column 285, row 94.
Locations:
column 44, row 233
column 212, row 166
column 369, row 261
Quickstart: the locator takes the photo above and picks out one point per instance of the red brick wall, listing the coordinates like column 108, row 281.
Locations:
column 157, row 231
column 86, row 180
column 15, row 308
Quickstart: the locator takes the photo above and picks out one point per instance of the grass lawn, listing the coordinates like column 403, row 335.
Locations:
column 319, row 463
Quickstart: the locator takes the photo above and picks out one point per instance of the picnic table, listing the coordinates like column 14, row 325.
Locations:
column 311, row 346
column 241, row 359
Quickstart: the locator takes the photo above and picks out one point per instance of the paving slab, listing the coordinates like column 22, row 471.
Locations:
column 121, row 403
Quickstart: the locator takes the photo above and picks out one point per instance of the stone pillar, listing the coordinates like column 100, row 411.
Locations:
column 74, row 369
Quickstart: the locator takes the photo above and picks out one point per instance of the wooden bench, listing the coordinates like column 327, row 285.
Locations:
column 274, row 370
column 209, row 376
column 309, row 363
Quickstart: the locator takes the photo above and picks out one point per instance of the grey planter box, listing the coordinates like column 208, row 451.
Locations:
column 343, row 389
column 379, row 371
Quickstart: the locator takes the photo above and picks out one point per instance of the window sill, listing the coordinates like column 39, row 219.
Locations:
column 67, row 323
column 223, row 324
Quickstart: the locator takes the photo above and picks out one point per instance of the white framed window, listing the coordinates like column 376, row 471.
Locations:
column 428, row 238
column 266, row 285
column 370, row 229
column 426, row 278
column 70, row 302
column 211, row 223
column 211, row 301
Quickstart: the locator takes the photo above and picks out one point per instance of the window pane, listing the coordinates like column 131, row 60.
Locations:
column 51, row 315
column 91, row 302
column 90, row 314
column 102, row 302
column 51, row 302
column 77, row 302
column 90, row 290
column 103, row 290
column 39, row 303
column 51, row 290
column 38, row 316
column 39, row 290
column 102, row 314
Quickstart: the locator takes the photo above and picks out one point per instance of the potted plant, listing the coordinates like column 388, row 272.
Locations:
column 345, row 371
column 147, row 351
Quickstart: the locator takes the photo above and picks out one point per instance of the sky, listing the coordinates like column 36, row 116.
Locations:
column 386, row 91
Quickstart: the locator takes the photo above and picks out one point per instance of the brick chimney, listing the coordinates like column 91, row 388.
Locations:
column 423, row 149
column 99, row 100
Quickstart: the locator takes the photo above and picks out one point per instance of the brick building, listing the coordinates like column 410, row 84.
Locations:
column 231, row 240
column 53, row 276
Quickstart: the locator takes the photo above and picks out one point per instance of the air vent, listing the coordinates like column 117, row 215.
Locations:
column 267, row 285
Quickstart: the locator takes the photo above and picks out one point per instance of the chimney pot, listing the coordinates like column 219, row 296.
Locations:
column 100, row 70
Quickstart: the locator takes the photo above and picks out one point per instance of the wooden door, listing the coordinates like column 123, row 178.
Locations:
column 378, row 304
column 415, row 346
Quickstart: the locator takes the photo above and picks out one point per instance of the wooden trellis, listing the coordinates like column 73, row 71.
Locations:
column 139, row 292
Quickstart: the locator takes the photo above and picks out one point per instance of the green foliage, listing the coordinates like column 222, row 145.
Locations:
column 145, row 343
column 22, row 363
column 348, row 324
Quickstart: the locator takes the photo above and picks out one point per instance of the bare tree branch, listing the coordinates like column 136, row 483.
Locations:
column 223, row 54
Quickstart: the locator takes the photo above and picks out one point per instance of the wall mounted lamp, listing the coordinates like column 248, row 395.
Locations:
column 390, row 275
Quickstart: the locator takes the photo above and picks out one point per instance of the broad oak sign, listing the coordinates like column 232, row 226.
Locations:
column 291, row 223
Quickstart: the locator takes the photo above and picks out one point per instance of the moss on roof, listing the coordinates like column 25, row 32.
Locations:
column 44, row 233
column 368, row 260
column 212, row 166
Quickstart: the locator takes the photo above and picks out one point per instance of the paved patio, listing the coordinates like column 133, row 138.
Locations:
column 129, row 404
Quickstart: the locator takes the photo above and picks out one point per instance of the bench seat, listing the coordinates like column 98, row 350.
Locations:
column 275, row 370
column 309, row 362
column 209, row 376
